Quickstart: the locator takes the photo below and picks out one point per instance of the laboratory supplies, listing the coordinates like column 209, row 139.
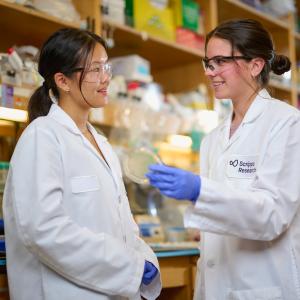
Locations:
column 150, row 228
column 15, row 60
column 3, row 174
column 136, row 163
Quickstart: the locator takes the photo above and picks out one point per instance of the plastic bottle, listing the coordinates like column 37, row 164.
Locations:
column 14, row 59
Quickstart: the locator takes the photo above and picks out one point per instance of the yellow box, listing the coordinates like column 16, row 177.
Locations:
column 156, row 21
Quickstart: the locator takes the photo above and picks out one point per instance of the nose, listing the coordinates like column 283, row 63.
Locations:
column 209, row 72
column 105, row 77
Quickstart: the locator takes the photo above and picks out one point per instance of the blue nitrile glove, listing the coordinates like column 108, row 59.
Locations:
column 175, row 183
column 150, row 271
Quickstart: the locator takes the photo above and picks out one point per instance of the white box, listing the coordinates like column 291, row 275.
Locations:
column 132, row 67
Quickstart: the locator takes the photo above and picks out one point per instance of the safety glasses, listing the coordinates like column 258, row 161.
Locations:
column 217, row 63
column 97, row 72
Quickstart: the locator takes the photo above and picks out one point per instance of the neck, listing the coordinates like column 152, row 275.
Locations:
column 241, row 106
column 78, row 113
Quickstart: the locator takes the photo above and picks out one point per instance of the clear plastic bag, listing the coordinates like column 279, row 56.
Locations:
column 62, row 9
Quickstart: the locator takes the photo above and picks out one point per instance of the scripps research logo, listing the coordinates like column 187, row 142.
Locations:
column 234, row 162
column 244, row 166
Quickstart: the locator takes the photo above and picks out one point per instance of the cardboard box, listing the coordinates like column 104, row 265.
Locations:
column 157, row 21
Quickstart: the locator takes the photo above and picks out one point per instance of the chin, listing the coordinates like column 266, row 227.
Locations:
column 100, row 102
column 220, row 95
column 104, row 100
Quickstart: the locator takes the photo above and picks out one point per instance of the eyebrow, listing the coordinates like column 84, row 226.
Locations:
column 215, row 56
column 104, row 60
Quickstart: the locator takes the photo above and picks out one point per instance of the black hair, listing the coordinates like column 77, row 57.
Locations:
column 252, row 40
column 64, row 51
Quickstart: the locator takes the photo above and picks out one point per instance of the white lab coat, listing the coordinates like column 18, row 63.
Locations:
column 69, row 230
column 249, row 207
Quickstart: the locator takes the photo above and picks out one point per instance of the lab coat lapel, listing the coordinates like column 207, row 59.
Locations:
column 235, row 136
column 105, row 149
column 224, row 134
column 256, row 108
column 60, row 116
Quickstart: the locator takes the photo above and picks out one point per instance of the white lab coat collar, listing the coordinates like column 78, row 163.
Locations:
column 257, row 106
column 255, row 109
column 59, row 115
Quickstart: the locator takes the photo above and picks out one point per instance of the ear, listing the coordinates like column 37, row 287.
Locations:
column 256, row 66
column 62, row 82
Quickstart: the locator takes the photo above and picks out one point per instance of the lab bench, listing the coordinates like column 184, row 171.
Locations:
column 178, row 273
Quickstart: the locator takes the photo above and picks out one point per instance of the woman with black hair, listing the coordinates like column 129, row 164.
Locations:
column 246, row 199
column 69, row 230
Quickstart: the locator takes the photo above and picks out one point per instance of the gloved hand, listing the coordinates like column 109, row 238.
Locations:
column 175, row 183
column 150, row 271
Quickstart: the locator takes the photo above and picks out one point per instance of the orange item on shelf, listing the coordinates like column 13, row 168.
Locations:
column 189, row 38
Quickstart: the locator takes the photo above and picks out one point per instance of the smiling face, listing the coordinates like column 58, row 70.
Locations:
column 96, row 77
column 232, row 78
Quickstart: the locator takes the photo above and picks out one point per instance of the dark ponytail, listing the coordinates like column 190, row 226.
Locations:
column 39, row 103
column 252, row 40
column 63, row 52
column 280, row 64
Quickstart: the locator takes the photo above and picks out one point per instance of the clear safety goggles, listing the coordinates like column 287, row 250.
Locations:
column 97, row 73
column 219, row 63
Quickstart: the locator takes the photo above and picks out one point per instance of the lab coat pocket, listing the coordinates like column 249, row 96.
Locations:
column 272, row 293
column 82, row 184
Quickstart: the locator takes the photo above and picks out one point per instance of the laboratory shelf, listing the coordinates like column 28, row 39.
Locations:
column 161, row 53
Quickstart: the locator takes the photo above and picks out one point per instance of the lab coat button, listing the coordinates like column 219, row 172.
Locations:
column 210, row 263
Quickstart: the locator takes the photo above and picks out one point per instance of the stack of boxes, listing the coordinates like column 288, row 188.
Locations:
column 189, row 25
column 173, row 20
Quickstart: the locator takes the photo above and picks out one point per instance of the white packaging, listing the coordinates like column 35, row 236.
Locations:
column 279, row 7
column 132, row 67
column 114, row 11
column 62, row 9
column 15, row 60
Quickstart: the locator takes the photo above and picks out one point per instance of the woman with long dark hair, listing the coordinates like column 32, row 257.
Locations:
column 68, row 226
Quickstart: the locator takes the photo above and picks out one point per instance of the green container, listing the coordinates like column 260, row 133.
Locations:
column 187, row 14
column 4, row 166
column 129, row 13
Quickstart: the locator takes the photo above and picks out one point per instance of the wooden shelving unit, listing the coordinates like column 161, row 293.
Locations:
column 172, row 65
column 21, row 25
column 129, row 40
column 233, row 8
column 177, row 68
